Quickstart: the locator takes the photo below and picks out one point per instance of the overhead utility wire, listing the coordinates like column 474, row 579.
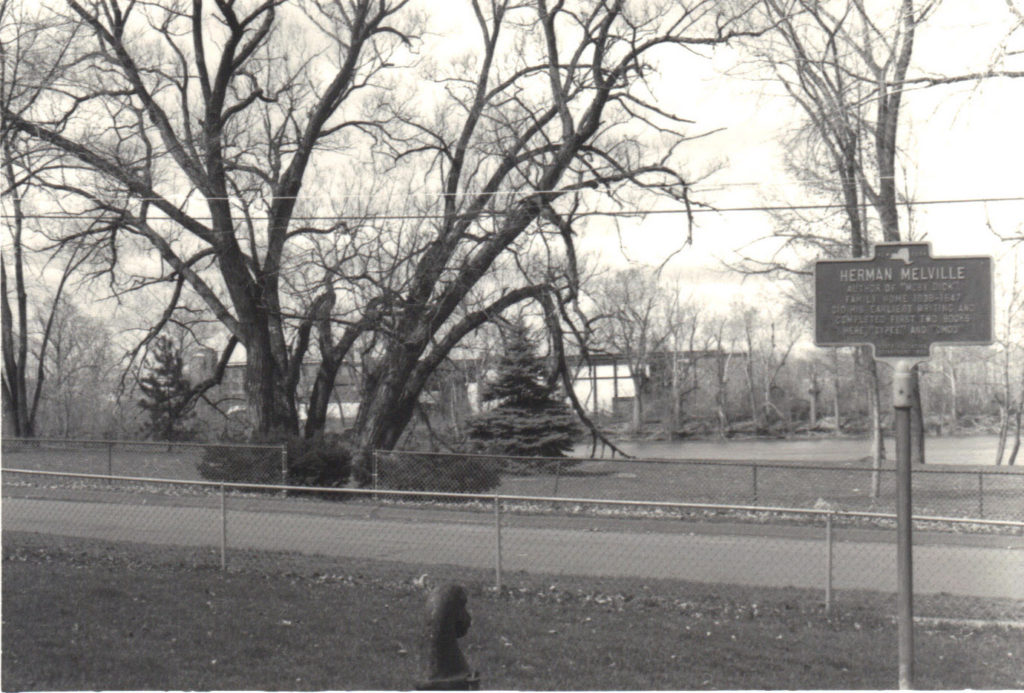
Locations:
column 515, row 194
column 609, row 213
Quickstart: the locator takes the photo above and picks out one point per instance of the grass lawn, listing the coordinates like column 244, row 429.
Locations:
column 145, row 461
column 94, row 615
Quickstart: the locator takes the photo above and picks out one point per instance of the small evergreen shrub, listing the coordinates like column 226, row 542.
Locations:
column 531, row 438
column 166, row 393
column 325, row 460
column 528, row 418
column 409, row 471
column 239, row 463
column 321, row 461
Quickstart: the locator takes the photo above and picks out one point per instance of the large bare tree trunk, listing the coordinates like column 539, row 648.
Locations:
column 385, row 410
column 877, row 439
column 15, row 339
column 15, row 393
column 271, row 405
column 888, row 104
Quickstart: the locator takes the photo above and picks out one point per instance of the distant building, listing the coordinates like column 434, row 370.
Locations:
column 603, row 384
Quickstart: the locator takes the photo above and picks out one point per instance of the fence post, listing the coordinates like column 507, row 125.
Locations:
column 376, row 457
column 828, row 563
column 558, row 475
column 981, row 495
column 284, row 464
column 753, row 480
column 223, row 530
column 497, row 537
column 110, row 462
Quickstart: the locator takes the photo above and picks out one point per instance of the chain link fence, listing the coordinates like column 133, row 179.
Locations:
column 962, row 492
column 191, row 461
column 963, row 568
column 978, row 492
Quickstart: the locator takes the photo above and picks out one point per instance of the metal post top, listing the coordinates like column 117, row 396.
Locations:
column 902, row 383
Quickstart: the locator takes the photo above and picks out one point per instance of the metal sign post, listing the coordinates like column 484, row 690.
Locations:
column 902, row 402
column 900, row 302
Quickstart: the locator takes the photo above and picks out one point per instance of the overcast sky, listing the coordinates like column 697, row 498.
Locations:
column 961, row 141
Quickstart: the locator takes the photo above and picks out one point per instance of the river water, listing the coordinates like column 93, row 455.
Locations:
column 969, row 450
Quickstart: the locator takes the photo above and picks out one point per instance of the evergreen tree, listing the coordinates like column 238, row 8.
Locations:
column 529, row 418
column 165, row 392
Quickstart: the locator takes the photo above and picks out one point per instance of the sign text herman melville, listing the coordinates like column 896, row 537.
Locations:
column 902, row 301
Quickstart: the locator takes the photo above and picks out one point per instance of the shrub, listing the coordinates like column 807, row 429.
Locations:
column 240, row 463
column 320, row 461
column 528, row 419
column 166, row 393
column 325, row 460
column 409, row 471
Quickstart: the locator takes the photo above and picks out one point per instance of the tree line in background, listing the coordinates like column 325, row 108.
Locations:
column 750, row 370
column 740, row 372
column 369, row 198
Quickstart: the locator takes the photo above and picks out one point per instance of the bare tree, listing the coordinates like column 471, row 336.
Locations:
column 846, row 64
column 26, row 46
column 769, row 340
column 749, row 322
column 722, row 339
column 1010, row 393
column 630, row 305
column 195, row 130
column 948, row 366
column 552, row 120
column 687, row 345
column 81, row 373
column 191, row 130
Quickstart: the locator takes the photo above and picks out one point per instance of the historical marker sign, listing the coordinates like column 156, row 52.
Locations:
column 902, row 300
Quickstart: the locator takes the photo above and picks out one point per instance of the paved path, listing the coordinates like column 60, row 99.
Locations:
column 992, row 570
